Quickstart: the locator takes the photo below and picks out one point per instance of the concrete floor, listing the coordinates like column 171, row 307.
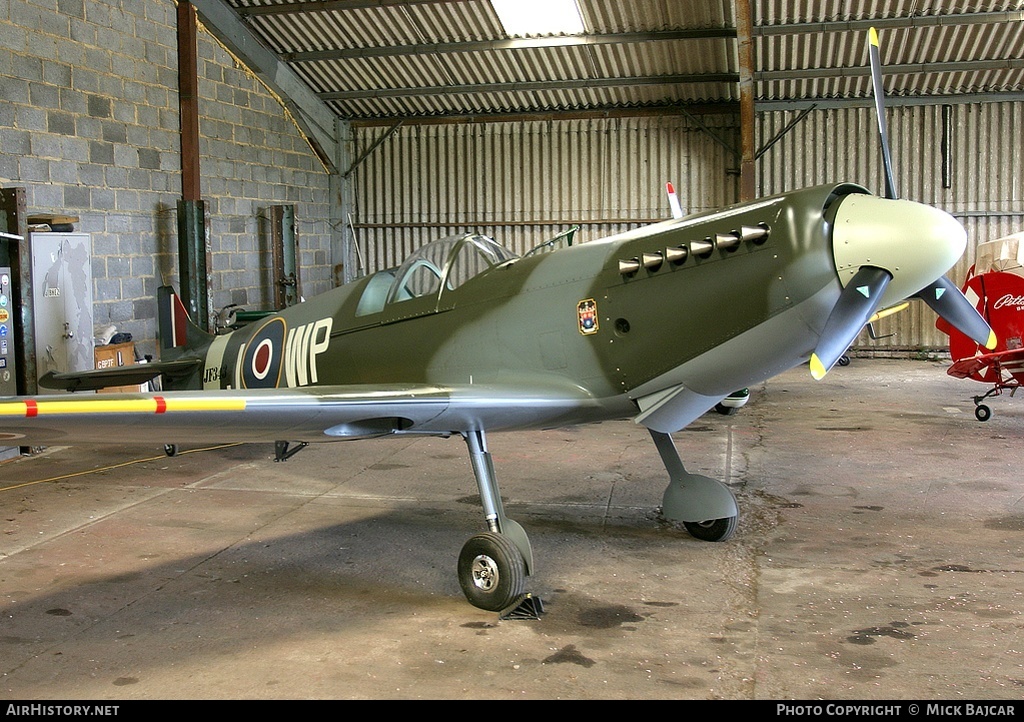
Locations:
column 878, row 556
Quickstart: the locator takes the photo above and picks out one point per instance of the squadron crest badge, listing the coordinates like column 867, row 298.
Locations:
column 586, row 313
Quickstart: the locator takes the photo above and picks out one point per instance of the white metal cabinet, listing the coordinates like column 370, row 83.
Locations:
column 62, row 301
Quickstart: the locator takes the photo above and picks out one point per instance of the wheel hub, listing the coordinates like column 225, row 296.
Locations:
column 485, row 573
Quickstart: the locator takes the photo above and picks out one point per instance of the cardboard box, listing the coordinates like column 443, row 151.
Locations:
column 113, row 355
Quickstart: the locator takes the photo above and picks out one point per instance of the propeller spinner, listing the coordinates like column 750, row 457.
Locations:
column 889, row 249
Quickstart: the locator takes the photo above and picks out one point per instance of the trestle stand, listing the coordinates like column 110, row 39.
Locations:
column 283, row 452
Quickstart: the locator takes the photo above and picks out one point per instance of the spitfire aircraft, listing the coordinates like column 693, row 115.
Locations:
column 464, row 338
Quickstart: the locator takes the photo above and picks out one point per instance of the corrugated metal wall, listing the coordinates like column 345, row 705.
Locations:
column 524, row 182
column 984, row 182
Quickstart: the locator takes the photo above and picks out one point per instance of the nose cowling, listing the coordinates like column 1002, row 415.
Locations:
column 916, row 244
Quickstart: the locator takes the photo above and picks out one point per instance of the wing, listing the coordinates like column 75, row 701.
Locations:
column 306, row 414
column 977, row 367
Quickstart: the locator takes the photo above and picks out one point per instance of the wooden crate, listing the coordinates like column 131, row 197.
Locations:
column 117, row 354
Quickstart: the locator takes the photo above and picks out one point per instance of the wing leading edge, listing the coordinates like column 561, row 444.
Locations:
column 318, row 414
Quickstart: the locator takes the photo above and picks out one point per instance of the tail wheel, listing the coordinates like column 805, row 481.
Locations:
column 982, row 412
column 712, row 530
column 492, row 572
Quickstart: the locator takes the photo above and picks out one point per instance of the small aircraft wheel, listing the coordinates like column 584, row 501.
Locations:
column 712, row 530
column 492, row 572
column 982, row 412
column 171, row 449
column 844, row 360
column 725, row 410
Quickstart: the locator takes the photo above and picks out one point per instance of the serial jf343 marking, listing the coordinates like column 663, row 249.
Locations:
column 658, row 324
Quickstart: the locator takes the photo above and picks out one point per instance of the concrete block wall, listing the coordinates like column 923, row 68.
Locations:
column 89, row 126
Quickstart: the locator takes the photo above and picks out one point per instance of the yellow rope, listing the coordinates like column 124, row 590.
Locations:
column 115, row 466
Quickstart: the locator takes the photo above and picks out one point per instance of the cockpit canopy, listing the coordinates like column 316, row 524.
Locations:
column 434, row 268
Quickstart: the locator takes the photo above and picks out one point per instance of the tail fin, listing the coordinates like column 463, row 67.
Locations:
column 178, row 334
column 999, row 298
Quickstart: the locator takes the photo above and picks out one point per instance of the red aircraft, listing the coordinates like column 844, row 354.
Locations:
column 995, row 285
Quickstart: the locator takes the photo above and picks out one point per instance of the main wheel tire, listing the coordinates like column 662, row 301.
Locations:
column 171, row 449
column 492, row 572
column 712, row 530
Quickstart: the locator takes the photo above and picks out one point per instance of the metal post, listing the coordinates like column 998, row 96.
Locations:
column 744, row 30
column 12, row 206
column 343, row 257
column 194, row 261
column 284, row 245
column 188, row 101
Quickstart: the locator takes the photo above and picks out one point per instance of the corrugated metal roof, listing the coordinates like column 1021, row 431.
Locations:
column 382, row 60
column 927, row 50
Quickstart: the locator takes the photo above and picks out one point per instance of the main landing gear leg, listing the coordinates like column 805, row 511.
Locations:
column 705, row 506
column 493, row 565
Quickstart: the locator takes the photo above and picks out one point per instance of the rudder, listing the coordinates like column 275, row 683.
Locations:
column 177, row 332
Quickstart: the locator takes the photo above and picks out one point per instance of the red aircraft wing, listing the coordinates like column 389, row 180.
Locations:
column 980, row 368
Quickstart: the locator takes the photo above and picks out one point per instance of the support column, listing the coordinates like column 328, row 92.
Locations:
column 284, row 255
column 193, row 243
column 744, row 34
column 188, row 101
column 344, row 255
column 12, row 206
column 194, row 262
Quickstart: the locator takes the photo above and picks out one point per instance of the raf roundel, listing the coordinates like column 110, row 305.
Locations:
column 262, row 360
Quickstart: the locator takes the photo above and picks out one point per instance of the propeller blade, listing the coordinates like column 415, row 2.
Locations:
column 942, row 296
column 883, row 130
column 857, row 303
column 952, row 305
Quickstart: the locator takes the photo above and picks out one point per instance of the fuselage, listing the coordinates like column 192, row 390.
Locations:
column 705, row 312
